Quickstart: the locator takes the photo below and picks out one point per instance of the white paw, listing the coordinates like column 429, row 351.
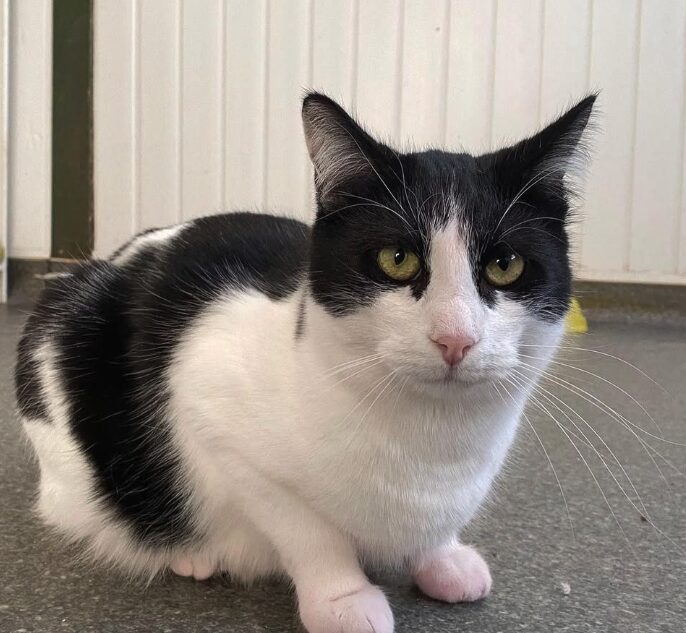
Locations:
column 192, row 567
column 458, row 574
column 363, row 611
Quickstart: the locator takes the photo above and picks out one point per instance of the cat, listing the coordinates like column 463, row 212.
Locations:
column 248, row 394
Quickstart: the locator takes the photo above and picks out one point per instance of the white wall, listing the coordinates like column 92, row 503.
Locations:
column 197, row 104
column 30, row 125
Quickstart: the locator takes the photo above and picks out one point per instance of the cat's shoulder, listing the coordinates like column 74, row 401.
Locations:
column 240, row 250
column 254, row 239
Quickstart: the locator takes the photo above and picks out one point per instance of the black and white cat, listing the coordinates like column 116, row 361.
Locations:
column 248, row 394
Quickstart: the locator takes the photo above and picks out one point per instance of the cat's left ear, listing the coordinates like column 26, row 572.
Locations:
column 342, row 153
column 543, row 161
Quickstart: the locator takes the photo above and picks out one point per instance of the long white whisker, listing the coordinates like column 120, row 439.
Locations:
column 530, row 220
column 568, row 435
column 367, row 367
column 374, row 203
column 530, row 183
column 642, row 510
column 547, row 456
column 606, row 354
column 602, row 404
column 552, row 398
column 351, row 363
column 385, row 381
column 606, row 381
column 383, row 182
column 607, row 410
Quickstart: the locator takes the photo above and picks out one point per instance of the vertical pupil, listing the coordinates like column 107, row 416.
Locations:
column 399, row 257
column 503, row 263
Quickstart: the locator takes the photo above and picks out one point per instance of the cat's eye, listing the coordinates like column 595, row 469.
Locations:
column 504, row 269
column 400, row 264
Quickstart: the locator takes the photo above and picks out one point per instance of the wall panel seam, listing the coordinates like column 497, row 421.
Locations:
column 137, row 122
column 180, row 210
column 445, row 44
column 265, row 101
column 632, row 166
column 399, row 73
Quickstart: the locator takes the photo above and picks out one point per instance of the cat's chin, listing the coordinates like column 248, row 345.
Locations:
column 455, row 378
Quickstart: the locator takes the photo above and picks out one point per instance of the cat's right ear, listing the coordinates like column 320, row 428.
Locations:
column 342, row 153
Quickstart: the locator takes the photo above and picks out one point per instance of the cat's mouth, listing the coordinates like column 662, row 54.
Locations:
column 453, row 376
column 466, row 377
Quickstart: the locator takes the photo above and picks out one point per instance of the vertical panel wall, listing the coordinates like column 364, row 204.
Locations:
column 197, row 104
column 30, row 98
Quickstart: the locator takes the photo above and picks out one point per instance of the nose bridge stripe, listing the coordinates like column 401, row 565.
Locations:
column 452, row 293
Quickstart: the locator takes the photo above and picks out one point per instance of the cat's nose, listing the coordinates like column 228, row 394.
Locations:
column 454, row 347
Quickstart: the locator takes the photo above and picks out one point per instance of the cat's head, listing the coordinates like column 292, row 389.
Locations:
column 444, row 264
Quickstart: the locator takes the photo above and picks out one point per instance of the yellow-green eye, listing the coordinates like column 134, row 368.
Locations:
column 504, row 269
column 398, row 263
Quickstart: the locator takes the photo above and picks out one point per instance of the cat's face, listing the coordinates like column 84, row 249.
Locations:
column 444, row 264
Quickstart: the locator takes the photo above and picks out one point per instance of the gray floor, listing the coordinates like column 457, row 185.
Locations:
column 600, row 577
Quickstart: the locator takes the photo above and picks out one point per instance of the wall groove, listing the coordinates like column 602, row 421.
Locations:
column 632, row 143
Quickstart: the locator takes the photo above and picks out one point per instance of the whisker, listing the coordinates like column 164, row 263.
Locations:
column 607, row 410
column 642, row 510
column 568, row 435
column 547, row 456
column 552, row 398
column 374, row 203
column 606, row 354
column 606, row 381
column 530, row 183
column 530, row 220
column 602, row 404
column 342, row 366
column 384, row 381
column 378, row 175
column 356, row 373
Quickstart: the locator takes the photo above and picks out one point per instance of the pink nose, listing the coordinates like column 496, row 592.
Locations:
column 453, row 348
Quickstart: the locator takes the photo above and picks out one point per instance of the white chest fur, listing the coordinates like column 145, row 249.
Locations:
column 396, row 469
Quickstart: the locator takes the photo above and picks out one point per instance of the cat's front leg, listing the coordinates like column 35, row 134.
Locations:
column 453, row 573
column 344, row 607
column 334, row 594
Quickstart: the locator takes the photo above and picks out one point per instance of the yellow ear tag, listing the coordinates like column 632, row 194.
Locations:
column 575, row 321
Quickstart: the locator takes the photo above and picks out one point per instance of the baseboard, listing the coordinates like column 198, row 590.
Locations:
column 657, row 304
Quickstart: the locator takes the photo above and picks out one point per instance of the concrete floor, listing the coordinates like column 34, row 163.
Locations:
column 546, row 577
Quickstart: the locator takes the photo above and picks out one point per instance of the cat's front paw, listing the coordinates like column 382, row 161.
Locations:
column 458, row 574
column 363, row 611
column 193, row 567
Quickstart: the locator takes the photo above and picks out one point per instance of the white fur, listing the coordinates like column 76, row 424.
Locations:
column 301, row 468
column 157, row 237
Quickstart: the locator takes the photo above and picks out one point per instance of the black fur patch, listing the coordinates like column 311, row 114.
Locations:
column 114, row 329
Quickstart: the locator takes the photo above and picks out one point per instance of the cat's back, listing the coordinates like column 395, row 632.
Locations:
column 139, row 302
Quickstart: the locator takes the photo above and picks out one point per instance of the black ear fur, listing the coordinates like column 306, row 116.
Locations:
column 547, row 160
column 340, row 149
